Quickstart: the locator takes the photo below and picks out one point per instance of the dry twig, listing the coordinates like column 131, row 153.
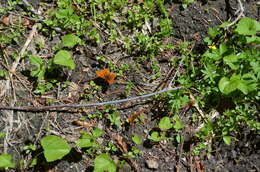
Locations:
column 241, row 14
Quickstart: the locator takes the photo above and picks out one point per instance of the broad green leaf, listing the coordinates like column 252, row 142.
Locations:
column 242, row 87
column 223, row 84
column 155, row 136
column 41, row 69
column 253, row 39
column 36, row 60
column 230, row 60
column 97, row 132
column 86, row 140
column 63, row 58
column 165, row 123
column 178, row 123
column 6, row 161
column 137, row 139
column 247, row 85
column 222, row 49
column 104, row 163
column 227, row 139
column 54, row 148
column 70, row 40
column 247, row 26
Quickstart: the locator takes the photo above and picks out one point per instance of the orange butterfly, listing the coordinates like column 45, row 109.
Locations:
column 106, row 75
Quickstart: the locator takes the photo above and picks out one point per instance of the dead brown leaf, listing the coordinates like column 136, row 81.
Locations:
column 6, row 20
column 83, row 124
column 121, row 144
column 135, row 115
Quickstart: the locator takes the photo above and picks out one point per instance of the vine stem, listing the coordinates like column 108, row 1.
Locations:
column 46, row 108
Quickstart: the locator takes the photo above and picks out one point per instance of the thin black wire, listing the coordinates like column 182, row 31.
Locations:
column 33, row 108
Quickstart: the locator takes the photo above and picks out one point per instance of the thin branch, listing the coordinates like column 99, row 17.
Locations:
column 46, row 108
column 28, row 41
column 241, row 14
column 26, row 3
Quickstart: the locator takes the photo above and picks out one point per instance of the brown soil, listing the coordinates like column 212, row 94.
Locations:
column 190, row 24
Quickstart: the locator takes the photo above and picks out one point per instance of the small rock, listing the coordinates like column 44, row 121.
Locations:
column 152, row 164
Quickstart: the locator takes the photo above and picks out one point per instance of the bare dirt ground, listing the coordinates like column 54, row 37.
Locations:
column 22, row 128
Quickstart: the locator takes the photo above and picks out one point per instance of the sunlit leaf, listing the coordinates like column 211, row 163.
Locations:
column 103, row 163
column 54, row 148
column 64, row 58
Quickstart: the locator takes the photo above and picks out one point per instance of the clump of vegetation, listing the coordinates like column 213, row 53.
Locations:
column 226, row 77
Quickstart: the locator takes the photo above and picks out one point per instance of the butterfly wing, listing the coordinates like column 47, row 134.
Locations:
column 106, row 75
column 103, row 73
column 110, row 78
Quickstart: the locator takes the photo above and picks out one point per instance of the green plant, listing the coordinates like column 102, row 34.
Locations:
column 115, row 119
column 2, row 134
column 155, row 136
column 230, row 71
column 111, row 147
column 54, row 148
column 6, row 161
column 87, row 140
column 165, row 123
column 103, row 162
column 62, row 58
column 72, row 19
column 186, row 2
column 134, row 152
column 137, row 139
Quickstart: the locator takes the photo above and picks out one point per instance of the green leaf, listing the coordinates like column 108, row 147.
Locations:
column 223, row 84
column 222, row 49
column 3, row 73
column 54, row 148
column 253, row 39
column 86, row 140
column 178, row 123
column 179, row 138
column 165, row 123
column 230, row 60
column 213, row 32
column 41, row 69
column 137, row 139
column 103, row 163
column 247, row 26
column 6, row 161
column 227, row 139
column 63, row 58
column 2, row 134
column 33, row 162
column 155, row 136
column 226, row 85
column 242, row 87
column 115, row 119
column 97, row 132
column 70, row 40
column 224, row 24
column 212, row 54
column 36, row 60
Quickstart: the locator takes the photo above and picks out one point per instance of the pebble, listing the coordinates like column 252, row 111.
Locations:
column 152, row 164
